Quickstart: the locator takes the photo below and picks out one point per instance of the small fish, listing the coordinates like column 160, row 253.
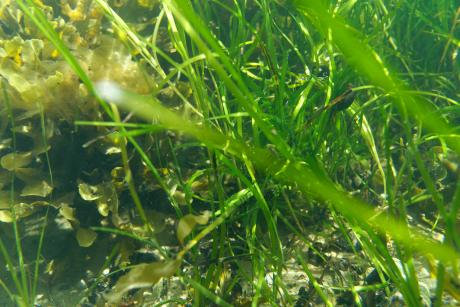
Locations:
column 343, row 101
column 339, row 103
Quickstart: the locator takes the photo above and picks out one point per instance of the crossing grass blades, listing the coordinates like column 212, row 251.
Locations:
column 286, row 153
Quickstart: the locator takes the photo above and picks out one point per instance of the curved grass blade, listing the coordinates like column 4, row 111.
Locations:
column 371, row 65
column 295, row 173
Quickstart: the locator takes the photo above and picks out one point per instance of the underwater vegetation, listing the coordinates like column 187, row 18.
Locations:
column 234, row 153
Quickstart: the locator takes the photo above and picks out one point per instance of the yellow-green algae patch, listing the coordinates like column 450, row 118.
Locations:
column 40, row 99
column 38, row 81
column 47, row 162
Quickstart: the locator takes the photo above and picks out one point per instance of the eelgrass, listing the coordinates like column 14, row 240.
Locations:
column 245, row 100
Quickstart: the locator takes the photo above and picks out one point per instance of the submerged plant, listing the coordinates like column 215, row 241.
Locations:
column 220, row 146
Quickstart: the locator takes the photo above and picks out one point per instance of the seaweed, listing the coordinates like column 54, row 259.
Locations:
column 242, row 152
